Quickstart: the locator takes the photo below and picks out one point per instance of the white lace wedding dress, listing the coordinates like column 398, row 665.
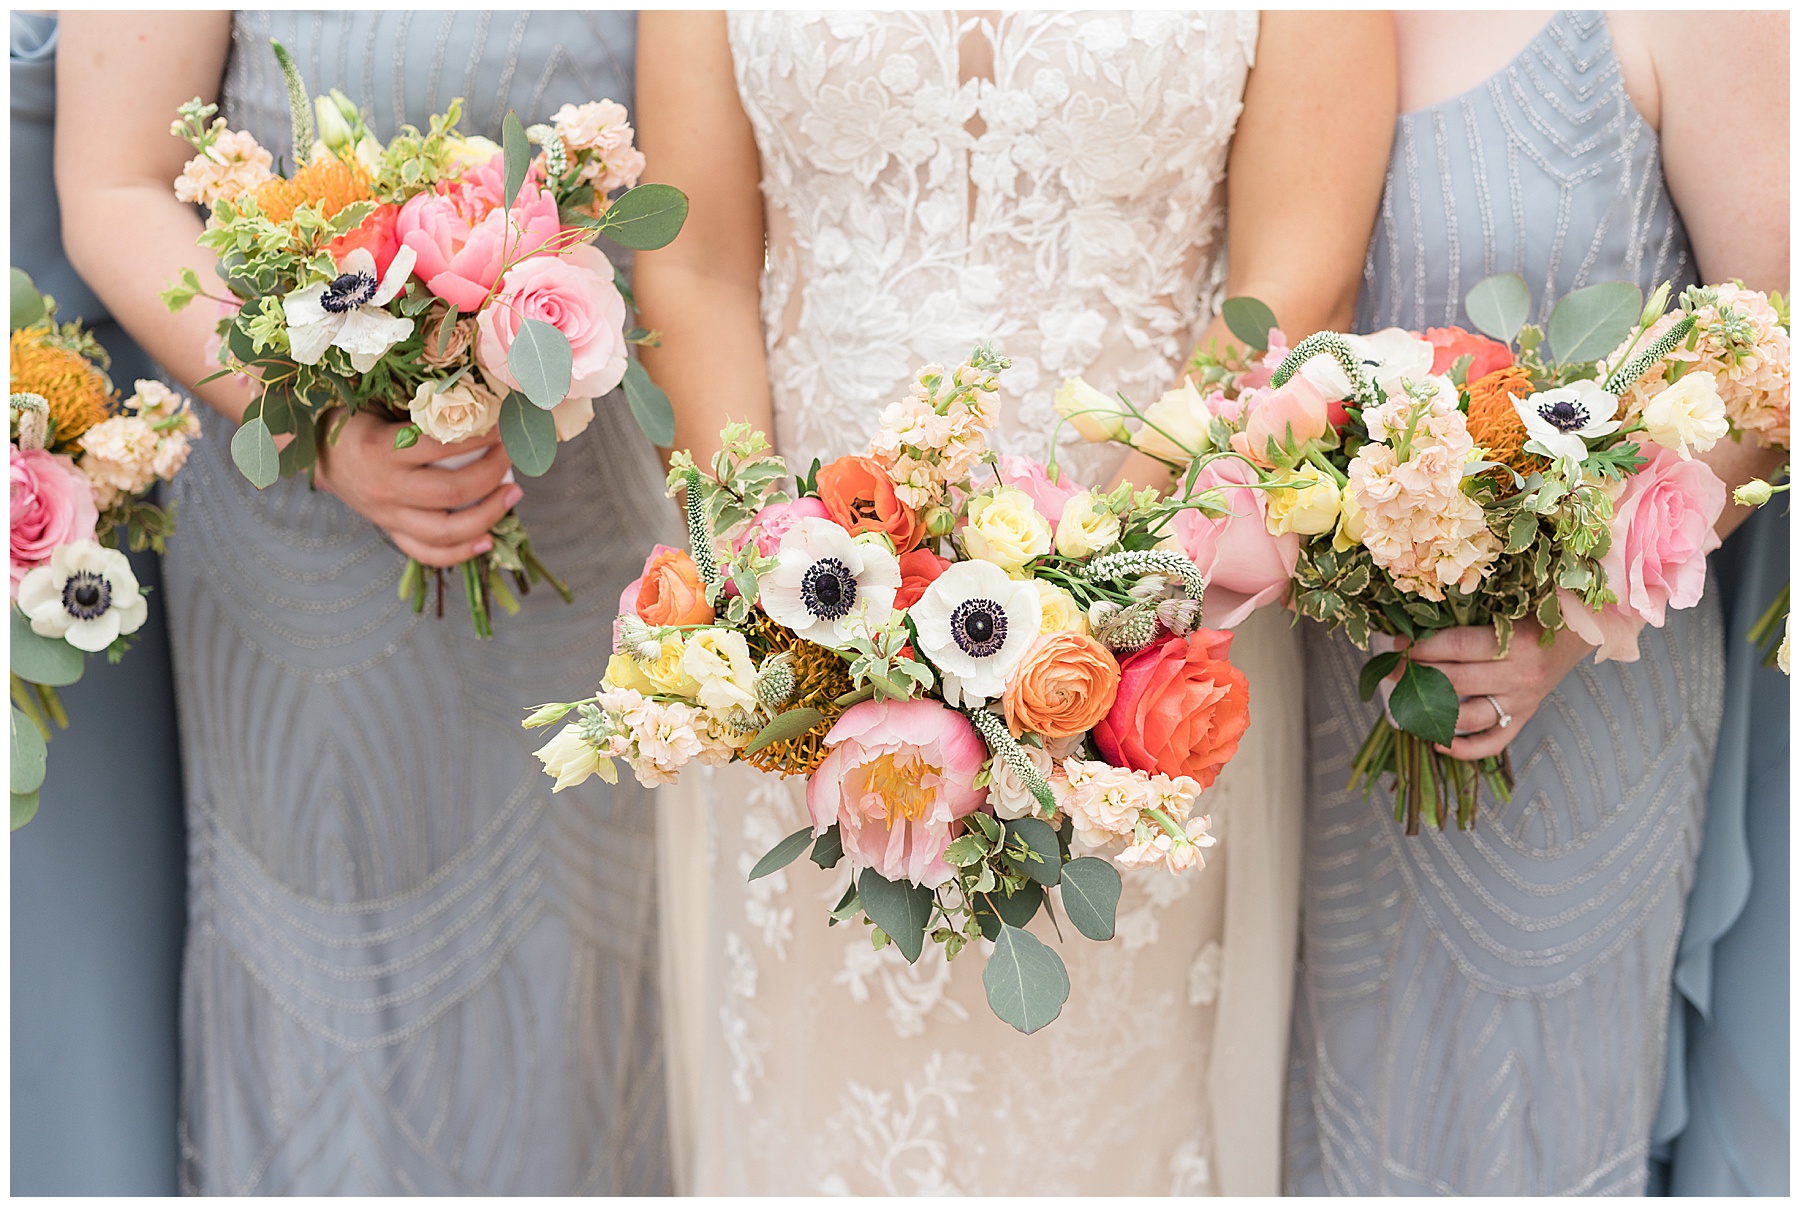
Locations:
column 1065, row 205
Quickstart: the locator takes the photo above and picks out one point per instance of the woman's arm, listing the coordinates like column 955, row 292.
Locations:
column 702, row 293
column 119, row 78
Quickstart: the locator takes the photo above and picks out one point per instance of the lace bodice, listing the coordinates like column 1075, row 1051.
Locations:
column 1068, row 208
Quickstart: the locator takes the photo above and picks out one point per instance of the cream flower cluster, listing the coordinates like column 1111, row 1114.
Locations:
column 925, row 449
column 1739, row 340
column 1415, row 519
column 603, row 128
column 233, row 165
column 127, row 454
column 657, row 738
column 1107, row 803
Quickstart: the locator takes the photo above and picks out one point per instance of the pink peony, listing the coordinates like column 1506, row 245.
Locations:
column 462, row 237
column 1245, row 567
column 898, row 777
column 574, row 293
column 773, row 521
column 1662, row 531
column 1047, row 496
column 52, row 505
column 1291, row 416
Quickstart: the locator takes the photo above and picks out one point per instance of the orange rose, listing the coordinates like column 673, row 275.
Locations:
column 860, row 497
column 918, row 570
column 1063, row 686
column 1180, row 710
column 670, row 591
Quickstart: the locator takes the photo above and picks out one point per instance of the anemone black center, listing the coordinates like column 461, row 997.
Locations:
column 978, row 627
column 1564, row 416
column 829, row 589
column 87, row 596
column 347, row 292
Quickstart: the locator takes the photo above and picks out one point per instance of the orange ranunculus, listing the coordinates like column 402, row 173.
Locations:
column 1066, row 682
column 671, row 592
column 376, row 235
column 860, row 497
column 1451, row 344
column 918, row 570
column 1181, row 708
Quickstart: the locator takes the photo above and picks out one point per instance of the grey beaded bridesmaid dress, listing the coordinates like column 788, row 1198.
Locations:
column 1485, row 1012
column 410, row 969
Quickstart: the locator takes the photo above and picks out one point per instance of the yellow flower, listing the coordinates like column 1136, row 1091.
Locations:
column 718, row 660
column 77, row 393
column 1350, row 523
column 1096, row 416
column 1006, row 529
column 471, row 151
column 1308, row 510
column 1689, row 416
column 1061, row 613
column 569, row 758
column 1085, row 529
column 662, row 676
column 1175, row 425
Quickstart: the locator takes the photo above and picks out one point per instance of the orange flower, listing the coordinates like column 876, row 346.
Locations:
column 1181, row 709
column 670, row 593
column 376, row 235
column 329, row 184
column 1063, row 686
column 860, row 497
column 77, row 393
column 1493, row 422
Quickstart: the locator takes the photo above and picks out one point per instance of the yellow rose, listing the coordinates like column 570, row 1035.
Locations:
column 1006, row 529
column 471, row 151
column 663, row 676
column 1308, row 510
column 1061, row 613
column 1687, row 417
column 1175, row 425
column 1084, row 529
column 1096, row 416
column 1350, row 522
column 719, row 661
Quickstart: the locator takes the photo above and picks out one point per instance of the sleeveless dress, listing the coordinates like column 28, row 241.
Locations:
column 1081, row 232
column 1485, row 1012
column 411, row 969
column 97, row 876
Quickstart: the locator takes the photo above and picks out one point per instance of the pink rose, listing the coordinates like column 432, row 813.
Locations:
column 898, row 777
column 773, row 521
column 461, row 236
column 1662, row 530
column 573, row 292
column 1257, row 377
column 1047, row 496
column 52, row 505
column 1245, row 567
column 1291, row 416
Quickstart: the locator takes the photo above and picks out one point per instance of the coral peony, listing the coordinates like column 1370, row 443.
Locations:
column 463, row 238
column 859, row 495
column 52, row 506
column 1063, row 686
column 670, row 593
column 1181, row 708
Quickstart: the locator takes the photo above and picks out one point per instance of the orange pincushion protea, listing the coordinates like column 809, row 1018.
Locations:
column 1494, row 423
column 330, row 184
column 820, row 678
column 77, row 393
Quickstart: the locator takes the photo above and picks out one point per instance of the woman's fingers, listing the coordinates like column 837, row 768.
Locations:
column 1484, row 678
column 436, row 489
column 1478, row 713
column 1468, row 644
column 428, row 450
column 461, row 532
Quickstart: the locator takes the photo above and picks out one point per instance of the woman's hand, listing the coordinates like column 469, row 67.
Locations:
column 436, row 516
column 1470, row 656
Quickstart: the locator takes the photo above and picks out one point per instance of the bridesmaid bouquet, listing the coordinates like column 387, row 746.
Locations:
column 993, row 681
column 83, row 466
column 445, row 281
column 1400, row 483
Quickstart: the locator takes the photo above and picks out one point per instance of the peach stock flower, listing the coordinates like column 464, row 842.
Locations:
column 861, row 498
column 235, row 164
column 670, row 592
column 1063, row 686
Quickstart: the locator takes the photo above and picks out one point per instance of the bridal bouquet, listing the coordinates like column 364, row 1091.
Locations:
column 1400, row 483
column 445, row 281
column 993, row 682
column 83, row 464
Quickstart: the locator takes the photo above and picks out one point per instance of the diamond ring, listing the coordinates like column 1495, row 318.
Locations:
column 1503, row 717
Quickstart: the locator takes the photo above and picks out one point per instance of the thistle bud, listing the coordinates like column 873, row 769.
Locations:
column 1179, row 616
column 1131, row 630
column 637, row 639
column 1753, row 493
column 775, row 682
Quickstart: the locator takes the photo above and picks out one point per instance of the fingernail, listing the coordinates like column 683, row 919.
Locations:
column 513, row 496
column 483, row 545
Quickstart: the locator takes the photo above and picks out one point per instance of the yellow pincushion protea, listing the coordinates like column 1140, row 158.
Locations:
column 820, row 677
column 78, row 394
column 326, row 182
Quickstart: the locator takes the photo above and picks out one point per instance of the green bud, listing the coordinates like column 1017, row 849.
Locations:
column 334, row 131
column 879, row 540
column 547, row 714
column 1653, row 309
column 939, row 521
column 345, row 106
column 1753, row 493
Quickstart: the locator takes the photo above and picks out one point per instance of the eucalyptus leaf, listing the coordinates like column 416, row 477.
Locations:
column 1498, row 306
column 541, row 362
column 24, row 808
column 624, row 288
column 785, row 852
column 1026, row 982
column 253, row 449
column 1036, row 834
column 1016, row 909
column 899, row 908
column 1591, row 322
column 1250, row 320
column 47, row 660
column 1424, row 703
column 28, row 754
column 647, row 217
column 829, row 849
column 516, row 155
column 529, row 434
column 278, row 410
column 649, row 405
column 1090, row 896
column 28, row 309
column 1374, row 671
column 302, row 451
column 790, row 724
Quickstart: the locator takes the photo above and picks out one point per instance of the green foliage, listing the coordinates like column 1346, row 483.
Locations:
column 1590, row 323
column 783, row 853
column 1499, row 305
column 900, row 909
column 645, row 218
column 790, row 724
column 1090, row 896
column 253, row 450
column 541, row 361
column 649, row 405
column 1031, row 849
column 516, row 156
column 529, row 434
column 1250, row 320
column 29, row 307
column 36, row 659
column 1026, row 982
column 829, row 848
column 1424, row 703
column 28, row 754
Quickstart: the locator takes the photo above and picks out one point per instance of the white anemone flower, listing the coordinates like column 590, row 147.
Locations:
column 826, row 586
column 350, row 311
column 975, row 624
column 1387, row 356
column 86, row 595
column 1563, row 420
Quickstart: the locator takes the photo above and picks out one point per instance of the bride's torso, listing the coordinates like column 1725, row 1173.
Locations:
column 1048, row 182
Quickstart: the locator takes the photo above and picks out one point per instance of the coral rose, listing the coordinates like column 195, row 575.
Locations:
column 860, row 497
column 378, row 235
column 918, row 570
column 1181, row 709
column 1245, row 566
column 1451, row 344
column 1063, row 686
column 670, row 592
column 52, row 506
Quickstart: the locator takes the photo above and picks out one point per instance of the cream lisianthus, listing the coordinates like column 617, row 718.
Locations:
column 1308, row 510
column 1687, row 417
column 460, row 411
column 571, row 758
column 1176, row 425
column 1062, row 614
column 1006, row 529
column 86, row 595
column 1084, row 528
column 719, row 661
column 1096, row 416
column 1350, row 523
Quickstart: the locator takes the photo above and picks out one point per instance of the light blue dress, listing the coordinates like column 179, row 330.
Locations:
column 97, row 884
column 1485, row 1012
column 410, row 969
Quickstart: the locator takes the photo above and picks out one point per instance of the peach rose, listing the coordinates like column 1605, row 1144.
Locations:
column 575, row 294
column 860, row 497
column 1245, row 566
column 670, row 591
column 918, row 570
column 1181, row 709
column 1292, row 416
column 1063, row 686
